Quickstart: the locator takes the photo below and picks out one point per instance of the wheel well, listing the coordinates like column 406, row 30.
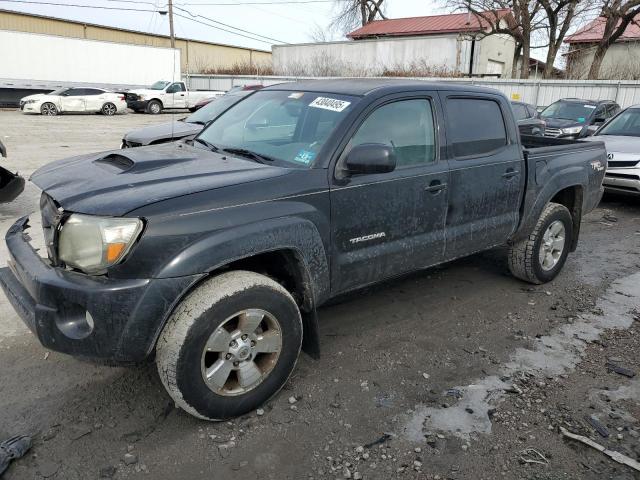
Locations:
column 285, row 267
column 571, row 197
column 155, row 100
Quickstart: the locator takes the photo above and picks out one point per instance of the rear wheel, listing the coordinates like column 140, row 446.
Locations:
column 540, row 257
column 49, row 109
column 230, row 345
column 109, row 109
column 154, row 107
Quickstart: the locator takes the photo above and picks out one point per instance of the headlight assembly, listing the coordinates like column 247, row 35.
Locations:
column 92, row 244
column 29, row 101
column 572, row 130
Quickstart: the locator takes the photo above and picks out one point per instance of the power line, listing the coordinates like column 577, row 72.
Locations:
column 30, row 2
column 284, row 2
column 228, row 26
column 219, row 28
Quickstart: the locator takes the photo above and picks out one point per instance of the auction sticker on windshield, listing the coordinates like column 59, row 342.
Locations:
column 332, row 104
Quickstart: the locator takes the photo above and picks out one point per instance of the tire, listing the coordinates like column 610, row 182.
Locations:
column 109, row 109
column 539, row 258
column 154, row 107
column 49, row 109
column 198, row 337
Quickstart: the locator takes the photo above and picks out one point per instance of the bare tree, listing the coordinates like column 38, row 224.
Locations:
column 525, row 20
column 615, row 16
column 353, row 13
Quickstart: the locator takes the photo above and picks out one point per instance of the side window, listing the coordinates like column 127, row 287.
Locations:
column 407, row 126
column 92, row 91
column 475, row 126
column 175, row 88
column 75, row 92
column 533, row 113
column 600, row 112
column 612, row 109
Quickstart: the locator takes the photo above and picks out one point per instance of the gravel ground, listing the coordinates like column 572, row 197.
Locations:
column 458, row 372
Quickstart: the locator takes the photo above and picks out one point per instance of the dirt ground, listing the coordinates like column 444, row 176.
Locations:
column 458, row 372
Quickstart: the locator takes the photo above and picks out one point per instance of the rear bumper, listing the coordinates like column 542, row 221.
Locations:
column 82, row 315
column 622, row 180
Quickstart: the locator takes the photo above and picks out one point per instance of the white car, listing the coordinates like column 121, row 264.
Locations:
column 621, row 136
column 75, row 100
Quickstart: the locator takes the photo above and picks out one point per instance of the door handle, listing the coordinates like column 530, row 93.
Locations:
column 435, row 187
column 510, row 173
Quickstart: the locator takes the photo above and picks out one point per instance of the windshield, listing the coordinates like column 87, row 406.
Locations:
column 626, row 124
column 578, row 112
column 217, row 106
column 60, row 91
column 159, row 85
column 288, row 127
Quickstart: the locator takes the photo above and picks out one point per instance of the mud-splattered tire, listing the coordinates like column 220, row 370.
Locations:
column 154, row 107
column 250, row 311
column 550, row 239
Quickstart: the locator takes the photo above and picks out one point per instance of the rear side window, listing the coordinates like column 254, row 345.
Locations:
column 475, row 126
column 406, row 126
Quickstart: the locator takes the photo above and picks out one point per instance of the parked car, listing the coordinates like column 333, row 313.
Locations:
column 164, row 95
column 621, row 136
column 11, row 184
column 240, row 88
column 213, row 258
column 527, row 118
column 576, row 118
column 75, row 100
column 186, row 127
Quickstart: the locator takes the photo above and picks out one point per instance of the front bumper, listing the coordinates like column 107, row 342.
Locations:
column 126, row 314
column 622, row 180
column 137, row 104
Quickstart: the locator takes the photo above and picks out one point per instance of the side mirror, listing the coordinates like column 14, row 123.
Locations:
column 370, row 158
column 253, row 124
column 599, row 121
column 591, row 129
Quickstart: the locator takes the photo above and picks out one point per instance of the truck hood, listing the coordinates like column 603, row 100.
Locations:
column 145, row 91
column 619, row 144
column 118, row 181
column 562, row 123
column 163, row 131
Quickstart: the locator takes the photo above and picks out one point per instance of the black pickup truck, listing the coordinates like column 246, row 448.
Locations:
column 212, row 258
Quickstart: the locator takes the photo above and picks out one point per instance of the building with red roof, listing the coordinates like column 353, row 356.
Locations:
column 456, row 44
column 622, row 60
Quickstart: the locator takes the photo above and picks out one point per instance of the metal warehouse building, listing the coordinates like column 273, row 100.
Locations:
column 196, row 56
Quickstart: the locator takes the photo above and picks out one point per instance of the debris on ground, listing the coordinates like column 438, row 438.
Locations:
column 531, row 455
column 597, row 426
column 616, row 456
column 12, row 449
column 381, row 440
column 612, row 367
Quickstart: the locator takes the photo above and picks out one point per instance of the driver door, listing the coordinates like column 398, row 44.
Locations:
column 177, row 95
column 73, row 100
column 387, row 224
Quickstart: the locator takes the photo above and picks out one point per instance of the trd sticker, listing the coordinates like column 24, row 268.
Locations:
column 597, row 166
column 332, row 104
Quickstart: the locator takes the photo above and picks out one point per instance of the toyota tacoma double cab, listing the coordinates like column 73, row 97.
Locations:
column 212, row 258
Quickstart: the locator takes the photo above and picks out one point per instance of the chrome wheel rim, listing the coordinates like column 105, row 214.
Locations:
column 552, row 245
column 242, row 352
column 155, row 108
column 48, row 109
column 109, row 109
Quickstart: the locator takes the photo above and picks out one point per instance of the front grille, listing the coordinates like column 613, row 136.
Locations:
column 51, row 215
column 622, row 175
column 552, row 132
column 131, row 97
column 622, row 163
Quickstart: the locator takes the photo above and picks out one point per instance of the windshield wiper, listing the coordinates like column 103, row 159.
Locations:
column 210, row 146
column 249, row 154
column 198, row 122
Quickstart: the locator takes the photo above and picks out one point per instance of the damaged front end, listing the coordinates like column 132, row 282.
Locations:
column 11, row 184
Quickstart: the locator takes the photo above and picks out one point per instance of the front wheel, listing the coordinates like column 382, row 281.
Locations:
column 49, row 109
column 154, row 107
column 540, row 257
column 230, row 345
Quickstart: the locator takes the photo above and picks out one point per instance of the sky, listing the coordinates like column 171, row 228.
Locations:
column 289, row 23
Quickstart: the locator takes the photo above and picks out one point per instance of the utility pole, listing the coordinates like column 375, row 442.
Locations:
column 171, row 33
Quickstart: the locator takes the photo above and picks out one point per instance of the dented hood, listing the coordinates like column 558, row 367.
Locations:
column 116, row 182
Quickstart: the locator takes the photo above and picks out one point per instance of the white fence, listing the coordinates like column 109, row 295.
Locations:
column 536, row 92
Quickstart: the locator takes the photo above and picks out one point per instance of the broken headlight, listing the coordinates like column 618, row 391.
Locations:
column 92, row 244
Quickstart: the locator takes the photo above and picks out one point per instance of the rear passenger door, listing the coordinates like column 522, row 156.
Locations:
column 486, row 178
column 386, row 224
column 94, row 99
